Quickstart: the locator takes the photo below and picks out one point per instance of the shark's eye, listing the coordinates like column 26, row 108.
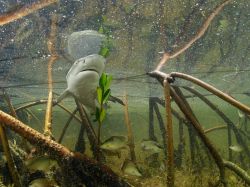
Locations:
column 83, row 61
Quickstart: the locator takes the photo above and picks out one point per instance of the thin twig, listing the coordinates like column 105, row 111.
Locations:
column 33, row 116
column 44, row 101
column 24, row 11
column 199, row 34
column 215, row 128
column 51, row 47
column 129, row 130
column 169, row 135
column 151, row 131
column 31, row 103
column 11, row 165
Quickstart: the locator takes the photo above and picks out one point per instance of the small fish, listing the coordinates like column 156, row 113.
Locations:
column 151, row 146
column 42, row 182
column 240, row 114
column 42, row 163
column 236, row 148
column 130, row 168
column 112, row 153
column 114, row 143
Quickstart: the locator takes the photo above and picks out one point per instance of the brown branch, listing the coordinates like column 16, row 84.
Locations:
column 89, row 129
column 169, row 135
column 240, row 172
column 24, row 11
column 218, row 160
column 199, row 34
column 11, row 165
column 7, row 99
column 30, row 104
column 51, row 47
column 44, row 101
column 129, row 130
column 215, row 128
column 66, row 125
column 185, row 108
column 229, row 123
column 213, row 90
column 33, row 116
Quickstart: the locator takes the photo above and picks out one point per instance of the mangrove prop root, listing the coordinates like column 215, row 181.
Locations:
column 215, row 128
column 48, row 117
column 66, row 125
column 166, row 56
column 239, row 171
column 89, row 129
column 52, row 50
column 213, row 90
column 229, row 123
column 82, row 165
column 8, row 101
column 10, row 161
column 129, row 129
column 151, row 131
column 161, row 126
column 229, row 142
column 24, row 11
column 189, row 115
column 206, row 141
column 44, row 101
column 30, row 104
column 169, row 135
column 175, row 113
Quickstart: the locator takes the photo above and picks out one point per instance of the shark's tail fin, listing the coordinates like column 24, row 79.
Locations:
column 61, row 97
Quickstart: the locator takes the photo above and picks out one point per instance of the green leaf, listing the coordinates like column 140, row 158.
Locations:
column 104, row 18
column 103, row 80
column 102, row 115
column 106, row 95
column 104, row 51
column 97, row 114
column 99, row 95
column 101, row 30
column 108, row 82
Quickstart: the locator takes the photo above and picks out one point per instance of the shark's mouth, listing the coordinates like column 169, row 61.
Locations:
column 90, row 70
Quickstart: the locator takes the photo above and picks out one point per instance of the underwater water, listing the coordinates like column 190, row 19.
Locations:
column 56, row 50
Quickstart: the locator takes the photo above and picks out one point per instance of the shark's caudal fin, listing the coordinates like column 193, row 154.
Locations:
column 62, row 96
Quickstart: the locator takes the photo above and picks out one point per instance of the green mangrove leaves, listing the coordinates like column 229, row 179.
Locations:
column 103, row 94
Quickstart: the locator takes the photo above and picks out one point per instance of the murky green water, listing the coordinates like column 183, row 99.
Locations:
column 132, row 36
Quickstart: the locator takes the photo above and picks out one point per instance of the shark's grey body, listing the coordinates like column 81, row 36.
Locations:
column 83, row 79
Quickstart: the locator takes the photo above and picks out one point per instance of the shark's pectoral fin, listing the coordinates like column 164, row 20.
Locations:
column 65, row 94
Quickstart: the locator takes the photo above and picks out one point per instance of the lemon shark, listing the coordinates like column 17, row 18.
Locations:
column 83, row 79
